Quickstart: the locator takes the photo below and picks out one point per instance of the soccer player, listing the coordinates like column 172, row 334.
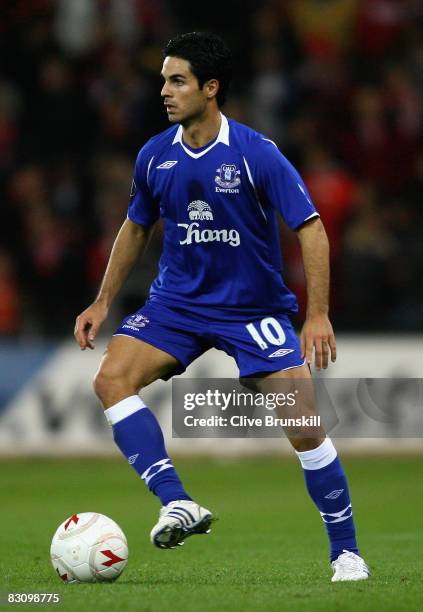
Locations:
column 218, row 185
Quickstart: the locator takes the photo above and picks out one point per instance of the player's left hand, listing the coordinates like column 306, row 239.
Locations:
column 317, row 334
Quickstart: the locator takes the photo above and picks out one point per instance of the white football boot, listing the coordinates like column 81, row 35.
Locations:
column 349, row 566
column 179, row 520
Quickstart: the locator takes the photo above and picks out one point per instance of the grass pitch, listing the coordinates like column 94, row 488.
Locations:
column 267, row 552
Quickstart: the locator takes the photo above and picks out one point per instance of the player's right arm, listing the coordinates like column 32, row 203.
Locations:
column 129, row 244
column 143, row 212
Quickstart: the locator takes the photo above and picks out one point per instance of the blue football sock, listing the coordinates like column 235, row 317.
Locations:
column 327, row 485
column 137, row 433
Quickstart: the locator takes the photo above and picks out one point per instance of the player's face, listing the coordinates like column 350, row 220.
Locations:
column 182, row 96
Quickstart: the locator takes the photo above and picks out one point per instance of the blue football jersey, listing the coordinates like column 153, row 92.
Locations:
column 219, row 205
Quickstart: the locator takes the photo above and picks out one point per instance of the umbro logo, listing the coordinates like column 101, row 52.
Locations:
column 281, row 352
column 166, row 165
column 334, row 494
column 133, row 458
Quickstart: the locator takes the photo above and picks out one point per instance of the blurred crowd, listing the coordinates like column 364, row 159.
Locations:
column 337, row 83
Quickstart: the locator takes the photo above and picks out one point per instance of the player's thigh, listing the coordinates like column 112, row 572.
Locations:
column 295, row 385
column 297, row 381
column 301, row 372
column 133, row 362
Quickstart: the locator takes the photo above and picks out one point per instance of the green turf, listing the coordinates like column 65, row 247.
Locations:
column 268, row 551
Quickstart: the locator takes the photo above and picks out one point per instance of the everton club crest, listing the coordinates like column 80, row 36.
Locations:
column 227, row 178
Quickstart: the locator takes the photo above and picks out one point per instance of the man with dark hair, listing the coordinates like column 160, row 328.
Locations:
column 208, row 56
column 218, row 185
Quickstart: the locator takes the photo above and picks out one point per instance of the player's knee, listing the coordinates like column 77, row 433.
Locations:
column 101, row 384
column 112, row 382
column 110, row 386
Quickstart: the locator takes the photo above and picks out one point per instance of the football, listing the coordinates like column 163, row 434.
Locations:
column 89, row 547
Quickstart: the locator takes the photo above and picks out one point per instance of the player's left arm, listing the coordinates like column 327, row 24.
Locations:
column 317, row 333
column 281, row 187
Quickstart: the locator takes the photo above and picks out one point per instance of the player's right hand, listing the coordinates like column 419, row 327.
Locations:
column 88, row 323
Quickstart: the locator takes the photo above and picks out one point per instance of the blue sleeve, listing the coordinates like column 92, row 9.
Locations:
column 142, row 209
column 280, row 186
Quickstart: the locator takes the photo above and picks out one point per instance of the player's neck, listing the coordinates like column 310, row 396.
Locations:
column 202, row 130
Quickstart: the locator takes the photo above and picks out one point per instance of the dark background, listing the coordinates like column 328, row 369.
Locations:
column 336, row 83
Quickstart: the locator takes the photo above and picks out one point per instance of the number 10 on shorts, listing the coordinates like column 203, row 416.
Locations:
column 272, row 331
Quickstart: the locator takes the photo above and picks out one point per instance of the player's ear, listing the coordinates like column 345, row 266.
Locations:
column 211, row 88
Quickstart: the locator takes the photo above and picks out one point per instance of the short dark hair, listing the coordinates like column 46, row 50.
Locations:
column 209, row 56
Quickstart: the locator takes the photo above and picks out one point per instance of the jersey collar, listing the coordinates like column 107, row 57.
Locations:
column 222, row 137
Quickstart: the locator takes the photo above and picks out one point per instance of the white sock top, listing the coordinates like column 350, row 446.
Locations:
column 123, row 409
column 319, row 457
